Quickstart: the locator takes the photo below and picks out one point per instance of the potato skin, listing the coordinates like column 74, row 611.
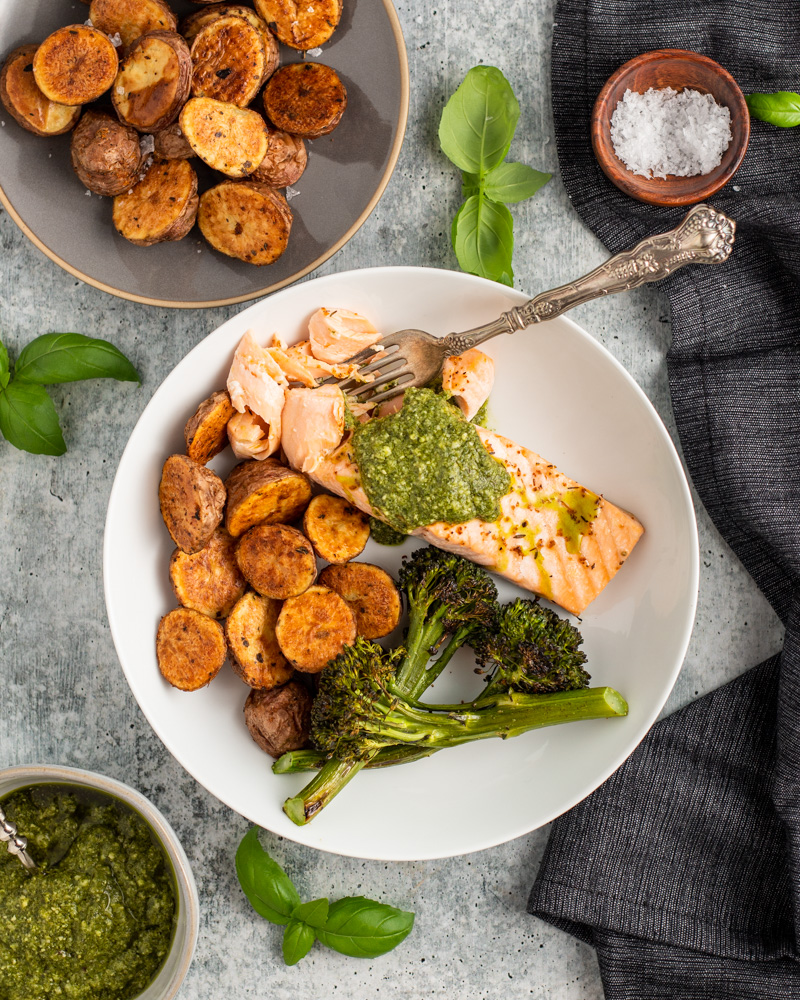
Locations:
column 304, row 25
column 276, row 560
column 205, row 432
column 153, row 81
column 75, row 64
column 25, row 102
column 314, row 628
column 190, row 648
column 246, row 220
column 370, row 593
column 250, row 632
column 306, row 99
column 106, row 154
column 279, row 719
column 131, row 19
column 192, row 499
column 170, row 143
column 161, row 207
column 264, row 492
column 337, row 530
column 210, row 580
column 284, row 162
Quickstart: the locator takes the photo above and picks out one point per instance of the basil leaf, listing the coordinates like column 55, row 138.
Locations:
column 29, row 421
column 479, row 120
column 781, row 108
column 512, row 182
column 314, row 913
column 4, row 366
column 267, row 886
column 363, row 928
column 69, row 357
column 483, row 239
column 470, row 185
column 298, row 940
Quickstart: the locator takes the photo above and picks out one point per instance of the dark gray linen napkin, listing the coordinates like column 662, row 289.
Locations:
column 683, row 870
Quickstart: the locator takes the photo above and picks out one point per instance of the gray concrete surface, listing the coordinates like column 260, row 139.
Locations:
column 63, row 696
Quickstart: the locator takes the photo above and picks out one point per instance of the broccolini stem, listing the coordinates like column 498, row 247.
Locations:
column 429, row 675
column 298, row 761
column 325, row 785
column 422, row 637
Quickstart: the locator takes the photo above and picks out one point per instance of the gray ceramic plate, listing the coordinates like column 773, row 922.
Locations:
column 346, row 174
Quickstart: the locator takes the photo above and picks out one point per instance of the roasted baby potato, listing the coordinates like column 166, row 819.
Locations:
column 210, row 580
column 229, row 139
column 279, row 719
column 190, row 648
column 170, row 143
column 246, row 220
column 161, row 207
column 264, row 492
column 153, row 81
column 306, row 99
column 75, row 64
column 301, row 24
column 230, row 61
column 285, row 160
column 250, row 631
column 131, row 18
column 313, row 628
column 206, row 433
column 276, row 560
column 26, row 103
column 106, row 154
column 337, row 530
column 370, row 593
column 192, row 499
column 192, row 25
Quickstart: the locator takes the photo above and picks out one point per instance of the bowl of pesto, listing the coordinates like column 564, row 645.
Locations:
column 111, row 912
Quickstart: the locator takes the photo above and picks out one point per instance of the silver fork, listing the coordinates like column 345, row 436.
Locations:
column 413, row 358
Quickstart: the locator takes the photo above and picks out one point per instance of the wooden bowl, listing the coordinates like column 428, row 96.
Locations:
column 679, row 69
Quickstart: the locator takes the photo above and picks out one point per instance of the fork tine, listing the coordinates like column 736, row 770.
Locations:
column 370, row 387
column 387, row 394
column 379, row 350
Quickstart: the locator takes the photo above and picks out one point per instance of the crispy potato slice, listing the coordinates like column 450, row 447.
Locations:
column 206, row 431
column 161, row 207
column 337, row 530
column 306, row 99
column 210, row 580
column 75, row 64
column 264, row 492
column 192, row 500
column 190, row 648
column 370, row 593
column 301, row 24
column 25, row 102
column 279, row 719
column 192, row 25
column 250, row 631
column 246, row 220
column 230, row 61
column 170, row 143
column 229, row 139
column 153, row 81
column 106, row 154
column 276, row 560
column 313, row 628
column 132, row 18
column 285, row 160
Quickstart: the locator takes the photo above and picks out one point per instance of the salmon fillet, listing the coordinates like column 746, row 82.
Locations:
column 554, row 537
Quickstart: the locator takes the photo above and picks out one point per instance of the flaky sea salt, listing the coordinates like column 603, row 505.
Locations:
column 291, row 192
column 665, row 132
column 147, row 144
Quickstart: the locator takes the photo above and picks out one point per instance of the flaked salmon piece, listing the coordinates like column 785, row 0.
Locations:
column 554, row 537
column 313, row 425
column 468, row 378
column 321, row 369
column 338, row 334
column 249, row 435
column 256, row 382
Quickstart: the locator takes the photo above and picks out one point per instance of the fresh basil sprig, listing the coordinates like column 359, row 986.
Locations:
column 355, row 926
column 781, row 108
column 475, row 132
column 28, row 418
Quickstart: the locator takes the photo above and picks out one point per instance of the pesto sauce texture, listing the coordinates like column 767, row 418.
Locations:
column 426, row 463
column 95, row 921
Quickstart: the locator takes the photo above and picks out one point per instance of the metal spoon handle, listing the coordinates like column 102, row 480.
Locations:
column 16, row 843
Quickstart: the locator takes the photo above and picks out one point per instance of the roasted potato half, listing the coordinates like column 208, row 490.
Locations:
column 370, row 593
column 264, row 492
column 250, row 631
column 26, row 103
column 162, row 206
column 279, row 719
column 246, row 220
column 192, row 25
column 276, row 560
column 154, row 81
column 230, row 139
column 210, row 580
column 190, row 648
column 75, row 64
column 170, row 143
column 192, row 499
column 230, row 61
column 301, row 24
column 130, row 19
column 206, row 431
column 306, row 99
column 337, row 530
column 313, row 628
column 106, row 155
column 284, row 162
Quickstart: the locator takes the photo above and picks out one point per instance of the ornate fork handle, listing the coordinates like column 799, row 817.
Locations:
column 16, row 843
column 705, row 236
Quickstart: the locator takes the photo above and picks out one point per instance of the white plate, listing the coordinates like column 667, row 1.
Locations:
column 557, row 391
